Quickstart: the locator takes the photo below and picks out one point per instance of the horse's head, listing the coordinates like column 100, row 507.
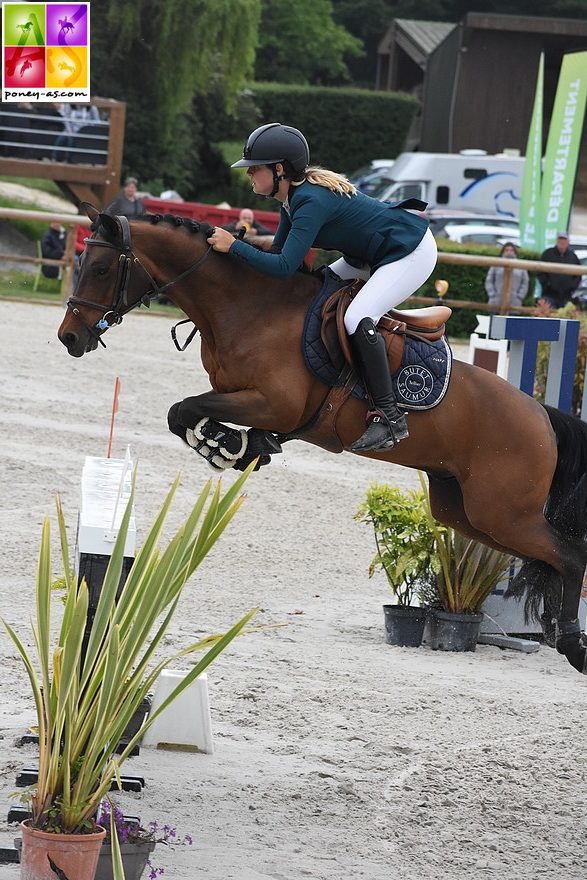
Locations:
column 106, row 289
column 116, row 277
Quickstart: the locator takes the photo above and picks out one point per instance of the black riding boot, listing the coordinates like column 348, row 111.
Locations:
column 386, row 424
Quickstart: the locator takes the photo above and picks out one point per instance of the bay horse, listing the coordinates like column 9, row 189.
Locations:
column 502, row 468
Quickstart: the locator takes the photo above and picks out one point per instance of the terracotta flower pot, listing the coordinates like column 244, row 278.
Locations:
column 75, row 855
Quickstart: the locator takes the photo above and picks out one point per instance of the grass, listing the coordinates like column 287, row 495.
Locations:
column 48, row 186
column 19, row 286
column 33, row 229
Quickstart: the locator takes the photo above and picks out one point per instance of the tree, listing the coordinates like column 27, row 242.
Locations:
column 157, row 57
column 301, row 43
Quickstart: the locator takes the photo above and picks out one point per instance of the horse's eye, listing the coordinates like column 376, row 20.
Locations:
column 100, row 270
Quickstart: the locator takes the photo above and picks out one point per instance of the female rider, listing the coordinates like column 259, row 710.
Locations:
column 391, row 248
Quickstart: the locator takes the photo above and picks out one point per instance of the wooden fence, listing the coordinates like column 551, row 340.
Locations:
column 70, row 221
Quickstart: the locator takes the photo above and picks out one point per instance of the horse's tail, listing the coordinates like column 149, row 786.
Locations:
column 566, row 511
column 566, row 507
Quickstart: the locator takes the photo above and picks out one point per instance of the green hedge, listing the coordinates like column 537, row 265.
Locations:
column 345, row 127
column 468, row 283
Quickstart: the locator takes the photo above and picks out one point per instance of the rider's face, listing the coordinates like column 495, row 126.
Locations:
column 261, row 177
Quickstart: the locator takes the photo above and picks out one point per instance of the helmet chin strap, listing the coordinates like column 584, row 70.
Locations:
column 277, row 178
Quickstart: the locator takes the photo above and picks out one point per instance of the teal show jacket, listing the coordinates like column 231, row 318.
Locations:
column 363, row 229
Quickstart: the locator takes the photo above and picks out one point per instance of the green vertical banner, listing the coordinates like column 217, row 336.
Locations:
column 562, row 149
column 530, row 203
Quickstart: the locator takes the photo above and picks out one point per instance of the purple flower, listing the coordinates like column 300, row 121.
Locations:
column 131, row 833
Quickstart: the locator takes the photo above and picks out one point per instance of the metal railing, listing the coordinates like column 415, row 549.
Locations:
column 36, row 141
column 27, row 134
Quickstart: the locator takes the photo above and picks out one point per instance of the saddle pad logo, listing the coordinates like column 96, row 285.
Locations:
column 45, row 52
column 415, row 383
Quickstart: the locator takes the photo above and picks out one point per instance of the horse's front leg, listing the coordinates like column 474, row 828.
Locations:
column 198, row 421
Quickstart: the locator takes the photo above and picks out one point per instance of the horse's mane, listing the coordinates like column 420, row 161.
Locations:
column 193, row 226
column 196, row 226
column 188, row 223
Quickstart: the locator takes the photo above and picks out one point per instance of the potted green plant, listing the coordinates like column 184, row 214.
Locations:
column 85, row 699
column 405, row 552
column 468, row 572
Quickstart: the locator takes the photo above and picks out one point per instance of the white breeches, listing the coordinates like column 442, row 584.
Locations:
column 390, row 285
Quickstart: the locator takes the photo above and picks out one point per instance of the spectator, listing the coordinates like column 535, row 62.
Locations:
column 81, row 233
column 127, row 202
column 246, row 220
column 557, row 290
column 53, row 248
column 74, row 118
column 519, row 280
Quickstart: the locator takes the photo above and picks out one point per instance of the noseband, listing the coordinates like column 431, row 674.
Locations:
column 114, row 313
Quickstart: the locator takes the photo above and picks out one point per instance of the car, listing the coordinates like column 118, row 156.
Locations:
column 370, row 177
column 481, row 233
column 580, row 295
column 439, row 220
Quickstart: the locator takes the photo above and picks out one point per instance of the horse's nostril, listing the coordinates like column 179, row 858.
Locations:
column 69, row 339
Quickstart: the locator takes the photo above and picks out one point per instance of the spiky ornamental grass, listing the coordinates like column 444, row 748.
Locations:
column 84, row 703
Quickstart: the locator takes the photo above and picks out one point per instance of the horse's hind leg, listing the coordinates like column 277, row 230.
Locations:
column 446, row 504
column 554, row 566
column 519, row 522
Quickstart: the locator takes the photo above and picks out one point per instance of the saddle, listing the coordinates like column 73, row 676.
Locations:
column 427, row 324
column 422, row 325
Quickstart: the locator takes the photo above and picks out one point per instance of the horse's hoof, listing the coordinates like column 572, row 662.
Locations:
column 243, row 463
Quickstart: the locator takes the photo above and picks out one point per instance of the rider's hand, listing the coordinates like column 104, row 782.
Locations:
column 221, row 240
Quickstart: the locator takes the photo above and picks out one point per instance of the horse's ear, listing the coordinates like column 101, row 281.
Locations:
column 110, row 225
column 90, row 210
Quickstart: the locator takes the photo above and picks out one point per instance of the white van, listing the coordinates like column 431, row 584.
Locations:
column 471, row 180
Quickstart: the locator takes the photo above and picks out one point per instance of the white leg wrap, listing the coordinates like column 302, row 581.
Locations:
column 215, row 454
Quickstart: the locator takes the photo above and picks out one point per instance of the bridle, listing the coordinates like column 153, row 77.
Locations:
column 114, row 313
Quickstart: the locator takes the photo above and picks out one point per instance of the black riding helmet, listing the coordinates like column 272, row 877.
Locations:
column 273, row 143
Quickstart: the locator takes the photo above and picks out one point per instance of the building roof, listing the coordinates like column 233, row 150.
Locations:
column 418, row 38
column 526, row 24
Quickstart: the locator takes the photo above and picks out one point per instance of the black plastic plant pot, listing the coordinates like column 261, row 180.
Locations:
column 404, row 625
column 134, row 725
column 450, row 631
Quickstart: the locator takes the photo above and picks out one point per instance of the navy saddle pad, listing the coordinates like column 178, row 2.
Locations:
column 422, row 379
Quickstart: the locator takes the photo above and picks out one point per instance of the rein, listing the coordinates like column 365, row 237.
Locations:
column 114, row 313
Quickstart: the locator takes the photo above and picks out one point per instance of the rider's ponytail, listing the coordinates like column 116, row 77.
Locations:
column 337, row 183
column 331, row 180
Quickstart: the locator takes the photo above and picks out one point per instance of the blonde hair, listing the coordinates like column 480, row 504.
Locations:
column 337, row 183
